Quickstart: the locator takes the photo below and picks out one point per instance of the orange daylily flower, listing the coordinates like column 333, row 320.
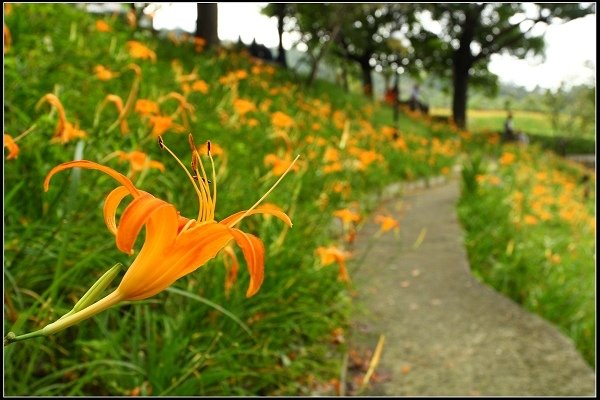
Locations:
column 11, row 145
column 139, row 161
column 138, row 50
column 184, row 108
column 146, row 107
column 103, row 73
column 507, row 158
column 280, row 164
column 118, row 102
column 243, row 106
column 347, row 216
column 387, row 223
column 162, row 123
column 200, row 86
column 281, row 120
column 174, row 246
column 333, row 254
column 7, row 39
column 65, row 131
column 199, row 44
column 103, row 26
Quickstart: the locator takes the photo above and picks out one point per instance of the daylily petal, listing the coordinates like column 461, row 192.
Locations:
column 154, row 257
column 254, row 253
column 192, row 249
column 137, row 213
column 111, row 203
column 122, row 179
column 264, row 209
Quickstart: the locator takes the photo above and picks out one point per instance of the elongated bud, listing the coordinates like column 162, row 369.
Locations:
column 96, row 290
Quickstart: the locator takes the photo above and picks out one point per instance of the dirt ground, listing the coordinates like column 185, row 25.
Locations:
column 446, row 334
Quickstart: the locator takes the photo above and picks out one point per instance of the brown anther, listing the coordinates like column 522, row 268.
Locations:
column 191, row 142
column 161, row 144
column 208, row 147
column 196, row 178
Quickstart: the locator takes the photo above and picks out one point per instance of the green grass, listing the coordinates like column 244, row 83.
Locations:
column 536, row 125
column 190, row 339
column 540, row 250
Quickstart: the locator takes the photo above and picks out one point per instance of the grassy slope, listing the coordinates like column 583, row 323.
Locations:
column 180, row 342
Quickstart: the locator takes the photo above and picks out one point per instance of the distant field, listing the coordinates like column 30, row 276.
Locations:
column 530, row 122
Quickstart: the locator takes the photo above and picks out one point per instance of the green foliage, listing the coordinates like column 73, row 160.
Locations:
column 540, row 248
column 192, row 339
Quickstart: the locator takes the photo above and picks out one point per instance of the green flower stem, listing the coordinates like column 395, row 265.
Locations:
column 63, row 323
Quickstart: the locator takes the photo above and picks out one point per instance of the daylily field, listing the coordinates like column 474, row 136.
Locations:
column 222, row 291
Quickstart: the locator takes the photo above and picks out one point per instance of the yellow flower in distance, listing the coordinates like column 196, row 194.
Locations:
column 174, row 246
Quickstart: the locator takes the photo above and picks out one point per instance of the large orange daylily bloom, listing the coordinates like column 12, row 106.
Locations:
column 174, row 245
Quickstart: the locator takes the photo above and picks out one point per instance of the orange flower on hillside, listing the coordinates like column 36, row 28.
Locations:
column 280, row 164
column 146, row 107
column 162, row 123
column 102, row 26
column 281, row 120
column 118, row 102
column 103, row 73
column 65, row 131
column 200, row 86
column 243, row 106
column 138, row 50
column 333, row 254
column 387, row 223
column 7, row 39
column 199, row 44
column 138, row 161
column 174, row 246
column 11, row 145
column 347, row 216
column 185, row 109
column 507, row 158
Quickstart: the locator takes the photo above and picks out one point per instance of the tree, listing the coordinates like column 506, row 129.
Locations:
column 207, row 23
column 365, row 33
column 469, row 33
column 281, row 11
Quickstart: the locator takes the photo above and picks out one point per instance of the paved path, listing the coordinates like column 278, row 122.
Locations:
column 445, row 333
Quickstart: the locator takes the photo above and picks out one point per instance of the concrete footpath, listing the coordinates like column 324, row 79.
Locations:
column 446, row 334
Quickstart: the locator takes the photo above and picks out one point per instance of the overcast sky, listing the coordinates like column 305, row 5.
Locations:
column 566, row 52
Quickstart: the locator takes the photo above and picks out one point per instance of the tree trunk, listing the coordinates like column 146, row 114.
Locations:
column 459, row 97
column 207, row 23
column 280, row 11
column 367, row 80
